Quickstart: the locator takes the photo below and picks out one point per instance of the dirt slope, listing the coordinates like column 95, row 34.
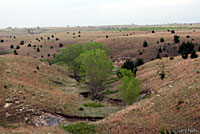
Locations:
column 174, row 102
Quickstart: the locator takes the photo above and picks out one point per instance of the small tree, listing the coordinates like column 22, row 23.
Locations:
column 21, row 42
column 17, row 47
column 11, row 46
column 172, row 31
column 129, row 89
column 162, row 40
column 68, row 56
column 176, row 39
column 139, row 62
column 2, row 40
column 96, row 68
column 145, row 44
column 158, row 55
column 130, row 65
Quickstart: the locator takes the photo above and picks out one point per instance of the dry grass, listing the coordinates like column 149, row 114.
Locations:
column 160, row 110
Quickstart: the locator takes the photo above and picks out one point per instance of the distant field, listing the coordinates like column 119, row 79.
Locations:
column 160, row 28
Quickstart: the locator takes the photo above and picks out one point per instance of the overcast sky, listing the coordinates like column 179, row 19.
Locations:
column 32, row 13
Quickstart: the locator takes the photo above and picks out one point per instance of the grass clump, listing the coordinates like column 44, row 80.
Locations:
column 80, row 128
column 93, row 104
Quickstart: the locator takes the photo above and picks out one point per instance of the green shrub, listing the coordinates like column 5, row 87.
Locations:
column 145, row 44
column 107, row 92
column 129, row 89
column 80, row 128
column 21, row 42
column 93, row 104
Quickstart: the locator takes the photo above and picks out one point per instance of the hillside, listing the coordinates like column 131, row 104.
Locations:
column 174, row 102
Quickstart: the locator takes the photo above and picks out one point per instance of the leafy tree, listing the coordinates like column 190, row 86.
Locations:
column 129, row 89
column 68, row 56
column 96, row 68
column 145, row 44
column 95, row 45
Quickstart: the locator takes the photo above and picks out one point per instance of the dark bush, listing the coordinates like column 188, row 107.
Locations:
column 21, row 42
column 60, row 45
column 184, row 55
column 176, row 39
column 158, row 55
column 42, row 56
column 130, row 65
column 79, row 32
column 57, row 39
column 15, row 52
column 41, row 46
column 48, row 55
column 38, row 49
column 193, row 54
column 29, row 45
column 139, row 62
column 153, row 31
column 51, row 47
column 52, row 36
column 2, row 40
column 172, row 31
column 48, row 38
column 17, row 47
column 162, row 40
column 106, row 36
column 160, row 50
column 158, row 42
column 186, row 48
column 79, row 36
column 166, row 55
column 41, row 38
column 145, row 44
column 34, row 45
column 11, row 46
column 199, row 48
column 187, row 36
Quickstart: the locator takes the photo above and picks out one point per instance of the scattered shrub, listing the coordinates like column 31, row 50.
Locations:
column 17, row 47
column 139, row 62
column 158, row 55
column 160, row 50
column 21, row 42
column 176, row 39
column 2, row 40
column 193, row 54
column 38, row 49
column 48, row 55
column 106, row 36
column 184, row 55
column 15, row 52
column 11, row 46
column 162, row 40
column 129, row 65
column 199, row 48
column 145, row 44
column 57, row 39
column 52, row 36
column 166, row 55
column 79, row 36
column 172, row 31
column 48, row 38
column 51, row 47
column 187, row 36
column 29, row 45
column 60, row 45
column 153, row 31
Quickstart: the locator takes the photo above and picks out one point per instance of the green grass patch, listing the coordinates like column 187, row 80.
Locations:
column 93, row 104
column 108, row 92
column 159, row 28
column 80, row 128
